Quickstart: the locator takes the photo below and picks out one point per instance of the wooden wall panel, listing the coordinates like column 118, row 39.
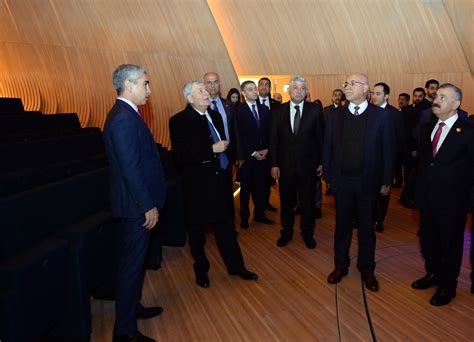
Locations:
column 338, row 36
column 59, row 54
column 321, row 86
column 461, row 13
column 63, row 52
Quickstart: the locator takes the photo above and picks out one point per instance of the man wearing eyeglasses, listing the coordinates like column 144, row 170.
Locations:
column 358, row 162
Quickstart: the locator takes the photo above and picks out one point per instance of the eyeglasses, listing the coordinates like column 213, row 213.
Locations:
column 351, row 83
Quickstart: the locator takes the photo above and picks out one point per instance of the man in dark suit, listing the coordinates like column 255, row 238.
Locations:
column 358, row 162
column 336, row 102
column 403, row 100
column 471, row 120
column 421, row 102
column 336, row 99
column 231, row 134
column 295, row 160
column 253, row 120
column 264, row 95
column 200, row 149
column 445, row 176
column 264, row 98
column 137, row 193
column 380, row 97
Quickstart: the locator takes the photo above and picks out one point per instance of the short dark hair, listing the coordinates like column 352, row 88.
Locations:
column 427, row 84
column 405, row 95
column 457, row 91
column 339, row 90
column 419, row 89
column 386, row 88
column 245, row 83
column 265, row 79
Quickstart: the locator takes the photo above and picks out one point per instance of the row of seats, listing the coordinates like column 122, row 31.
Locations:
column 56, row 243
column 29, row 124
column 58, row 239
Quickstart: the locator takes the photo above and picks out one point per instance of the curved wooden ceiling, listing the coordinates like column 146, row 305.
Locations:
column 58, row 55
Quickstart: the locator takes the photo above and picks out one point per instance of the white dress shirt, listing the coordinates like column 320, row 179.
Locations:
column 449, row 123
column 293, row 112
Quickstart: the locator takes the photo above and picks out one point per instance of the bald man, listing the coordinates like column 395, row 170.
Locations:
column 358, row 162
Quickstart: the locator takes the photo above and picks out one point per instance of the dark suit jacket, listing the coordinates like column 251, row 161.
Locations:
column 427, row 115
column 207, row 188
column 253, row 137
column 327, row 111
column 298, row 155
column 444, row 182
column 378, row 149
column 401, row 134
column 137, row 178
column 234, row 151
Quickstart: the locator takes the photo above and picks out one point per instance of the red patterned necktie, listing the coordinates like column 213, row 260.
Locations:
column 434, row 143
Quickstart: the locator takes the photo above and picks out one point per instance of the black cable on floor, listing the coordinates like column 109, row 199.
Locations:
column 372, row 332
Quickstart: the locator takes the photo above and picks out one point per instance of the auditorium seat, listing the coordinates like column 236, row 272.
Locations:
column 33, row 290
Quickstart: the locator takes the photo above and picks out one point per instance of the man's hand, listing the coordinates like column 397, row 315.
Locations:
column 384, row 190
column 240, row 163
column 151, row 218
column 263, row 153
column 220, row 146
column 413, row 154
column 319, row 171
column 275, row 172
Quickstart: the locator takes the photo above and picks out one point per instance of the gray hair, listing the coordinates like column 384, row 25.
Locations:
column 299, row 79
column 188, row 87
column 457, row 90
column 126, row 72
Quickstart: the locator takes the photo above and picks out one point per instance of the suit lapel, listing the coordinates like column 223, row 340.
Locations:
column 287, row 119
column 369, row 130
column 450, row 139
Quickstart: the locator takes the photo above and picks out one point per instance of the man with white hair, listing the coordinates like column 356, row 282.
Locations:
column 202, row 154
column 296, row 136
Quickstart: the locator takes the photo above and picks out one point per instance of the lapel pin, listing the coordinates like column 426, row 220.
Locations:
column 458, row 129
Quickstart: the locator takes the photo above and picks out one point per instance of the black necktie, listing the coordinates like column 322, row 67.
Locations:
column 296, row 120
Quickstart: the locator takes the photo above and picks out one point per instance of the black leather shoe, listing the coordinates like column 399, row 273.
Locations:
column 270, row 208
column 424, row 283
column 245, row 274
column 379, row 227
column 336, row 275
column 202, row 281
column 146, row 313
column 318, row 213
column 244, row 224
column 309, row 242
column 284, row 239
column 407, row 204
column 137, row 337
column 264, row 220
column 442, row 296
column 370, row 282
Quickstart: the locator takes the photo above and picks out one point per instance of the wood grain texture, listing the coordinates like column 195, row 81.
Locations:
column 58, row 55
column 291, row 301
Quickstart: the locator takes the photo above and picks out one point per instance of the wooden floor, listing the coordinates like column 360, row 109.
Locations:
column 291, row 301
